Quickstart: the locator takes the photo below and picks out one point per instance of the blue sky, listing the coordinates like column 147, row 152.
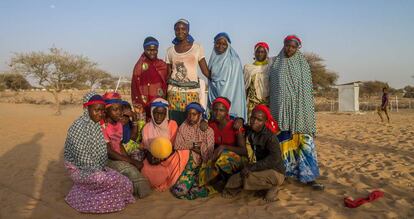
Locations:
column 361, row 40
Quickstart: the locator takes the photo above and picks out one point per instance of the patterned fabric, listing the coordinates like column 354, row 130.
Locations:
column 299, row 156
column 256, row 81
column 227, row 164
column 85, row 146
column 291, row 98
column 102, row 191
column 179, row 100
column 187, row 186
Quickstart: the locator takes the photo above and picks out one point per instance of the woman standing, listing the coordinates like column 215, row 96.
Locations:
column 227, row 76
column 256, row 77
column 291, row 103
column 96, row 188
column 182, row 61
column 149, row 79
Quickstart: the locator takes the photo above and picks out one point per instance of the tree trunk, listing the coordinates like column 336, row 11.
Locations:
column 57, row 102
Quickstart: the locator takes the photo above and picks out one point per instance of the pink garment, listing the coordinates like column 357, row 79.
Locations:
column 151, row 132
column 165, row 174
column 188, row 134
column 101, row 191
column 113, row 135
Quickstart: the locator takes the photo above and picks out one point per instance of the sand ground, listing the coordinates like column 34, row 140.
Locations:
column 357, row 154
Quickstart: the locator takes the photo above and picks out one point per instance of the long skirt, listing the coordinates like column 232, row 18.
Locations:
column 299, row 156
column 165, row 174
column 187, row 186
column 178, row 101
column 226, row 165
column 101, row 191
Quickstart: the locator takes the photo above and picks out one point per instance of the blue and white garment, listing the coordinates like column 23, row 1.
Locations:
column 227, row 79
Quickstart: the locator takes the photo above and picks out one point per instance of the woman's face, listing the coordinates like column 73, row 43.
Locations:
column 151, row 52
column 159, row 114
column 181, row 31
column 291, row 47
column 193, row 117
column 219, row 111
column 115, row 111
column 260, row 54
column 220, row 46
column 257, row 121
column 96, row 112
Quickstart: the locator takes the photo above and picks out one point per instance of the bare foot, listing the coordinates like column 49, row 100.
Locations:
column 271, row 194
column 230, row 193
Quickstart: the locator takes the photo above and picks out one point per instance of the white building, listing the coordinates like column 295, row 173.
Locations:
column 348, row 97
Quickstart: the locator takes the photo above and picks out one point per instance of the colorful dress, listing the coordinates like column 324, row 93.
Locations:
column 187, row 186
column 96, row 188
column 291, row 103
column 165, row 174
column 183, row 84
column 229, row 162
column 256, row 81
column 149, row 81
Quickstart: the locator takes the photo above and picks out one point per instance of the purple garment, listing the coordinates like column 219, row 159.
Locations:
column 384, row 99
column 102, row 191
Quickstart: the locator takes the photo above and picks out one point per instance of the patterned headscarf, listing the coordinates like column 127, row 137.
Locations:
column 85, row 146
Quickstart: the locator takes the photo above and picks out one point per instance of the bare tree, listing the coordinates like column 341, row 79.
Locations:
column 96, row 76
column 55, row 71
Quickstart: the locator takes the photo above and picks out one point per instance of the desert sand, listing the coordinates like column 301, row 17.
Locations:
column 357, row 153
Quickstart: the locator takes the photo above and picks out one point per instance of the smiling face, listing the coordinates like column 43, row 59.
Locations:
column 151, row 52
column 181, row 31
column 96, row 112
column 220, row 46
column 290, row 48
column 257, row 120
column 159, row 114
column 260, row 54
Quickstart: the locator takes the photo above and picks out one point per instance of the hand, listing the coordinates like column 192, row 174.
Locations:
column 203, row 125
column 245, row 172
column 238, row 123
column 196, row 147
column 218, row 151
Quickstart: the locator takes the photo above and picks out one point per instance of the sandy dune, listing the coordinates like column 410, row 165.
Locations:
column 357, row 154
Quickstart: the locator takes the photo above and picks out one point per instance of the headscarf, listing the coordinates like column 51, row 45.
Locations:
column 225, row 102
column 264, row 46
column 150, row 41
column 190, row 39
column 153, row 130
column 111, row 98
column 293, row 38
column 227, row 79
column 271, row 123
column 198, row 108
column 85, row 146
column 95, row 99
column 187, row 134
column 222, row 35
column 291, row 94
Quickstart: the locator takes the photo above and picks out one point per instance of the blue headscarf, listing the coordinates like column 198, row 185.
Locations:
column 189, row 37
column 150, row 41
column 227, row 79
column 198, row 108
column 221, row 35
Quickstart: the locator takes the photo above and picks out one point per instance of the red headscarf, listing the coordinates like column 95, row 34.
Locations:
column 262, row 44
column 223, row 101
column 112, row 98
column 271, row 123
column 294, row 38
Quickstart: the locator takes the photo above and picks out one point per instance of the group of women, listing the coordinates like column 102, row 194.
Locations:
column 210, row 150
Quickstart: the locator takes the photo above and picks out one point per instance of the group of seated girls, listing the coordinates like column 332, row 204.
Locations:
column 110, row 159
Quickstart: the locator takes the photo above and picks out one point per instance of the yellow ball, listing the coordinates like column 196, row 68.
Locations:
column 161, row 147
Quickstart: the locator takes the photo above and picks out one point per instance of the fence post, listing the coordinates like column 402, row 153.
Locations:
column 396, row 103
